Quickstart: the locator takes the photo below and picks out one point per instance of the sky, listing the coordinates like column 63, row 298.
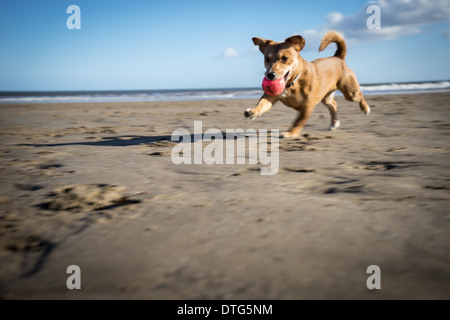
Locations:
column 155, row 45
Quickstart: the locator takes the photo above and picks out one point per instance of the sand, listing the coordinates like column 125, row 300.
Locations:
column 93, row 185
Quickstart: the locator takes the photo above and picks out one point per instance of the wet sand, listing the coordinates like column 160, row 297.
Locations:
column 93, row 185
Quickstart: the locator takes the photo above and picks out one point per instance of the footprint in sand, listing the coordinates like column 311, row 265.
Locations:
column 350, row 189
column 160, row 154
column 87, row 197
column 46, row 166
column 28, row 186
column 299, row 170
column 379, row 165
column 437, row 187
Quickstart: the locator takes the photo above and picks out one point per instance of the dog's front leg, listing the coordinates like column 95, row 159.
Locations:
column 264, row 105
column 298, row 123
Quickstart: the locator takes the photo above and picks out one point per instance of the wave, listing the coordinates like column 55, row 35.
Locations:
column 131, row 96
column 415, row 87
column 192, row 95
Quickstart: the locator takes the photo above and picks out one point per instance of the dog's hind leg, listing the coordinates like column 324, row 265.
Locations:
column 332, row 107
column 358, row 97
column 349, row 87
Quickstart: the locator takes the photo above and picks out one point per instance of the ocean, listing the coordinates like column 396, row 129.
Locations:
column 198, row 94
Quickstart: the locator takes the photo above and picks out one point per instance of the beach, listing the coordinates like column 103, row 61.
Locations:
column 94, row 185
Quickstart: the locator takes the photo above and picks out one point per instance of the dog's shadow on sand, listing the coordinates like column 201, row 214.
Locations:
column 117, row 141
column 128, row 140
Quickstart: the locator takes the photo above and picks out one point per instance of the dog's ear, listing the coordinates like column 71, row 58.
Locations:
column 297, row 42
column 262, row 43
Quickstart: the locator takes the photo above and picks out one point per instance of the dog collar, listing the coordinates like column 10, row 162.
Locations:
column 292, row 83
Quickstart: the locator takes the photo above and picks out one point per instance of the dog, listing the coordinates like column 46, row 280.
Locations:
column 307, row 83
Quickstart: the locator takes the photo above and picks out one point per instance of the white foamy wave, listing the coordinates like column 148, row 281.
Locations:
column 406, row 87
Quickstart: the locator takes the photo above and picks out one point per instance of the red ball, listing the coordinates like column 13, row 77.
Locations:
column 273, row 87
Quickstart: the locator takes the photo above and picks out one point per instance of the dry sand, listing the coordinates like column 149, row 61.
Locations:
column 93, row 185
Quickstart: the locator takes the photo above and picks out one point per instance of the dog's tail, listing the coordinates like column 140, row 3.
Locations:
column 333, row 36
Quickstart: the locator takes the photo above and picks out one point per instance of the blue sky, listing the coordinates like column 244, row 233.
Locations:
column 135, row 45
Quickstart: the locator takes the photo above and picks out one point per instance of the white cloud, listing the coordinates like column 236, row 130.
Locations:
column 335, row 17
column 230, row 53
column 399, row 18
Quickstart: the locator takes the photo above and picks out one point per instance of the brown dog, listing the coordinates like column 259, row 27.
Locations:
column 307, row 83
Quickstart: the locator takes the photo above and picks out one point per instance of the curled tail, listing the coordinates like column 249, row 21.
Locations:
column 333, row 36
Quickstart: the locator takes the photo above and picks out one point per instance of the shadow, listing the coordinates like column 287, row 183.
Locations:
column 132, row 140
column 118, row 141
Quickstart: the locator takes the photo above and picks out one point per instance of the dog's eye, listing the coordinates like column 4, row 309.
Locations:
column 267, row 59
column 284, row 59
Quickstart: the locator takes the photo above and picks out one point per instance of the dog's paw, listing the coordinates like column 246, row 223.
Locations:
column 250, row 114
column 288, row 134
column 367, row 111
column 335, row 125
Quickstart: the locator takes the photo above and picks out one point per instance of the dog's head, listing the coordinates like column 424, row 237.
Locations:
column 281, row 59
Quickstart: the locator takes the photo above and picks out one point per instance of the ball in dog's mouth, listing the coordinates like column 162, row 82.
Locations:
column 274, row 87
